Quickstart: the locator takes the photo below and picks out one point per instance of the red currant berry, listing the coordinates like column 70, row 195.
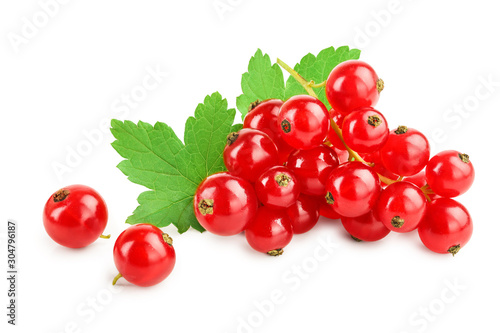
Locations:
column 365, row 130
column 334, row 139
column 264, row 117
column 277, row 187
column 75, row 216
column 450, row 173
column 406, row 151
column 224, row 204
column 249, row 153
column 351, row 85
column 143, row 255
column 401, row 206
column 312, row 167
column 270, row 231
column 304, row 122
column 303, row 214
column 366, row 227
column 352, row 189
column 447, row 226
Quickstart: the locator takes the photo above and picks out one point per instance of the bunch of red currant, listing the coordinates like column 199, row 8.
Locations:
column 295, row 160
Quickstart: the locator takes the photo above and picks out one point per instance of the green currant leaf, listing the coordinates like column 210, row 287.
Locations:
column 157, row 159
column 262, row 81
column 317, row 68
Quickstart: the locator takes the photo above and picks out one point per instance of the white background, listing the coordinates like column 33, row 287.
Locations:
column 434, row 57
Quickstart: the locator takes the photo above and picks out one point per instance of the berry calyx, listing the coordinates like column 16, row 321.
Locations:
column 206, row 206
column 397, row 222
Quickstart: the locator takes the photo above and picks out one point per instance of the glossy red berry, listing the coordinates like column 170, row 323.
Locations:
column 366, row 227
column 447, row 226
column 312, row 167
column 278, row 187
column 264, row 117
column 144, row 255
column 303, row 214
column 352, row 189
column 351, row 85
column 406, row 151
column 401, row 206
column 365, row 130
column 224, row 204
column 304, row 122
column 75, row 216
column 248, row 153
column 270, row 231
column 450, row 173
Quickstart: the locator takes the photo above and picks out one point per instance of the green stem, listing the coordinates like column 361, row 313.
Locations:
column 317, row 85
column 105, row 236
column 297, row 77
column 116, row 278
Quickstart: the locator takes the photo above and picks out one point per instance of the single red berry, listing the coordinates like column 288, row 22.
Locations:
column 312, row 167
column 401, row 206
column 303, row 214
column 334, row 139
column 450, row 173
column 351, row 85
column 304, row 122
column 406, row 151
column 366, row 227
column 365, row 130
column 75, row 216
column 224, row 204
column 270, row 231
column 352, row 189
column 249, row 153
column 278, row 187
column 447, row 226
column 263, row 116
column 143, row 255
